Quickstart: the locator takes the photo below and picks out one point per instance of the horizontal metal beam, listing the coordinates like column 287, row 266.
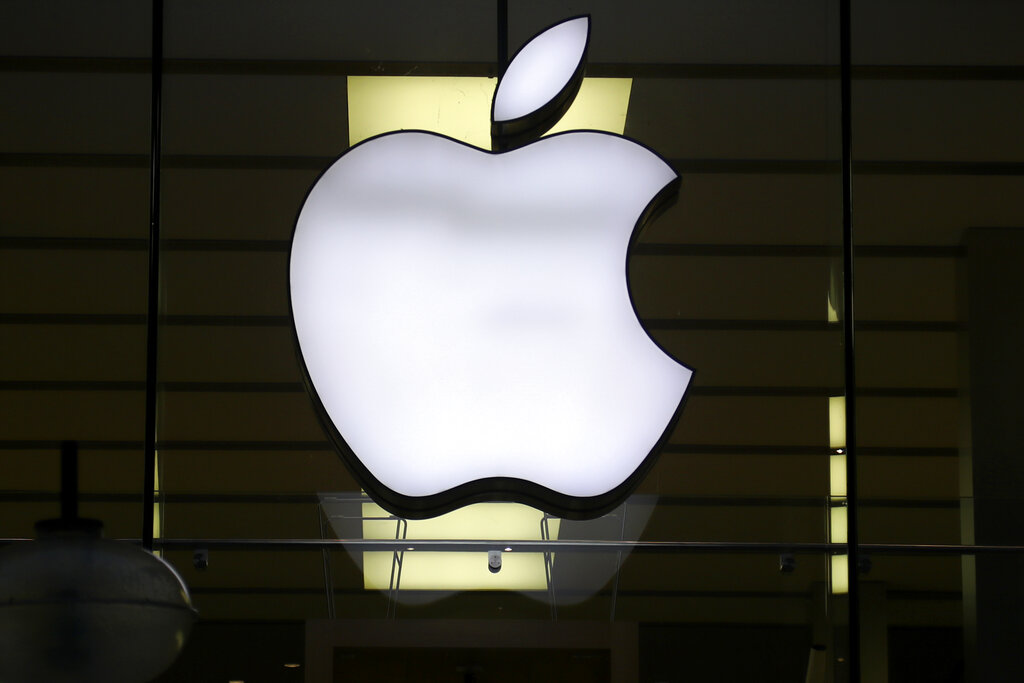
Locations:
column 695, row 166
column 298, row 67
column 319, row 445
column 31, row 242
column 297, row 387
column 662, row 501
column 654, row 324
column 566, row 546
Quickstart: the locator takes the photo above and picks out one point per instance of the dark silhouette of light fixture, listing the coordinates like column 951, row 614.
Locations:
column 77, row 608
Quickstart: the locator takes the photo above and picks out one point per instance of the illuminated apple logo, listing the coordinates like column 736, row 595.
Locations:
column 464, row 318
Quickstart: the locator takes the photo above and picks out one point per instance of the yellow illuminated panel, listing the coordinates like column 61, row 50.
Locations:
column 600, row 105
column 460, row 106
column 455, row 571
column 424, row 570
column 158, row 503
column 838, row 518
column 455, row 106
column 840, row 574
column 837, row 523
column 837, row 475
column 837, row 421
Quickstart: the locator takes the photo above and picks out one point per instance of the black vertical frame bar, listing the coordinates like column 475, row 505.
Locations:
column 849, row 357
column 153, row 292
column 69, row 480
column 502, row 37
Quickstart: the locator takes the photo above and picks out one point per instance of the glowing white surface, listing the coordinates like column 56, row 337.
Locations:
column 465, row 315
column 541, row 69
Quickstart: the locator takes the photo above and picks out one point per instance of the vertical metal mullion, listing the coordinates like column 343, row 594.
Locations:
column 325, row 556
column 849, row 358
column 502, row 37
column 153, row 292
column 69, row 480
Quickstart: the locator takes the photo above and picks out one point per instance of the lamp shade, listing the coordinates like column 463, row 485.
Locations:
column 75, row 607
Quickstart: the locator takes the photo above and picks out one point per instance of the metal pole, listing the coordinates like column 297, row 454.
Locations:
column 849, row 357
column 153, row 298
column 69, row 480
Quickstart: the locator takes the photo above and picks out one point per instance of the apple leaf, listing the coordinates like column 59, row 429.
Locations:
column 540, row 83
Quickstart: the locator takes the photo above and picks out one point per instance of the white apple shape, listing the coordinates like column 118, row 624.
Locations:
column 465, row 322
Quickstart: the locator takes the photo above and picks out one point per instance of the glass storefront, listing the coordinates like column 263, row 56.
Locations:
column 730, row 560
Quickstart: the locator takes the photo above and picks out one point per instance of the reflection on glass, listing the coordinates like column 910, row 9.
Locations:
column 456, row 571
column 413, row 575
column 837, row 511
